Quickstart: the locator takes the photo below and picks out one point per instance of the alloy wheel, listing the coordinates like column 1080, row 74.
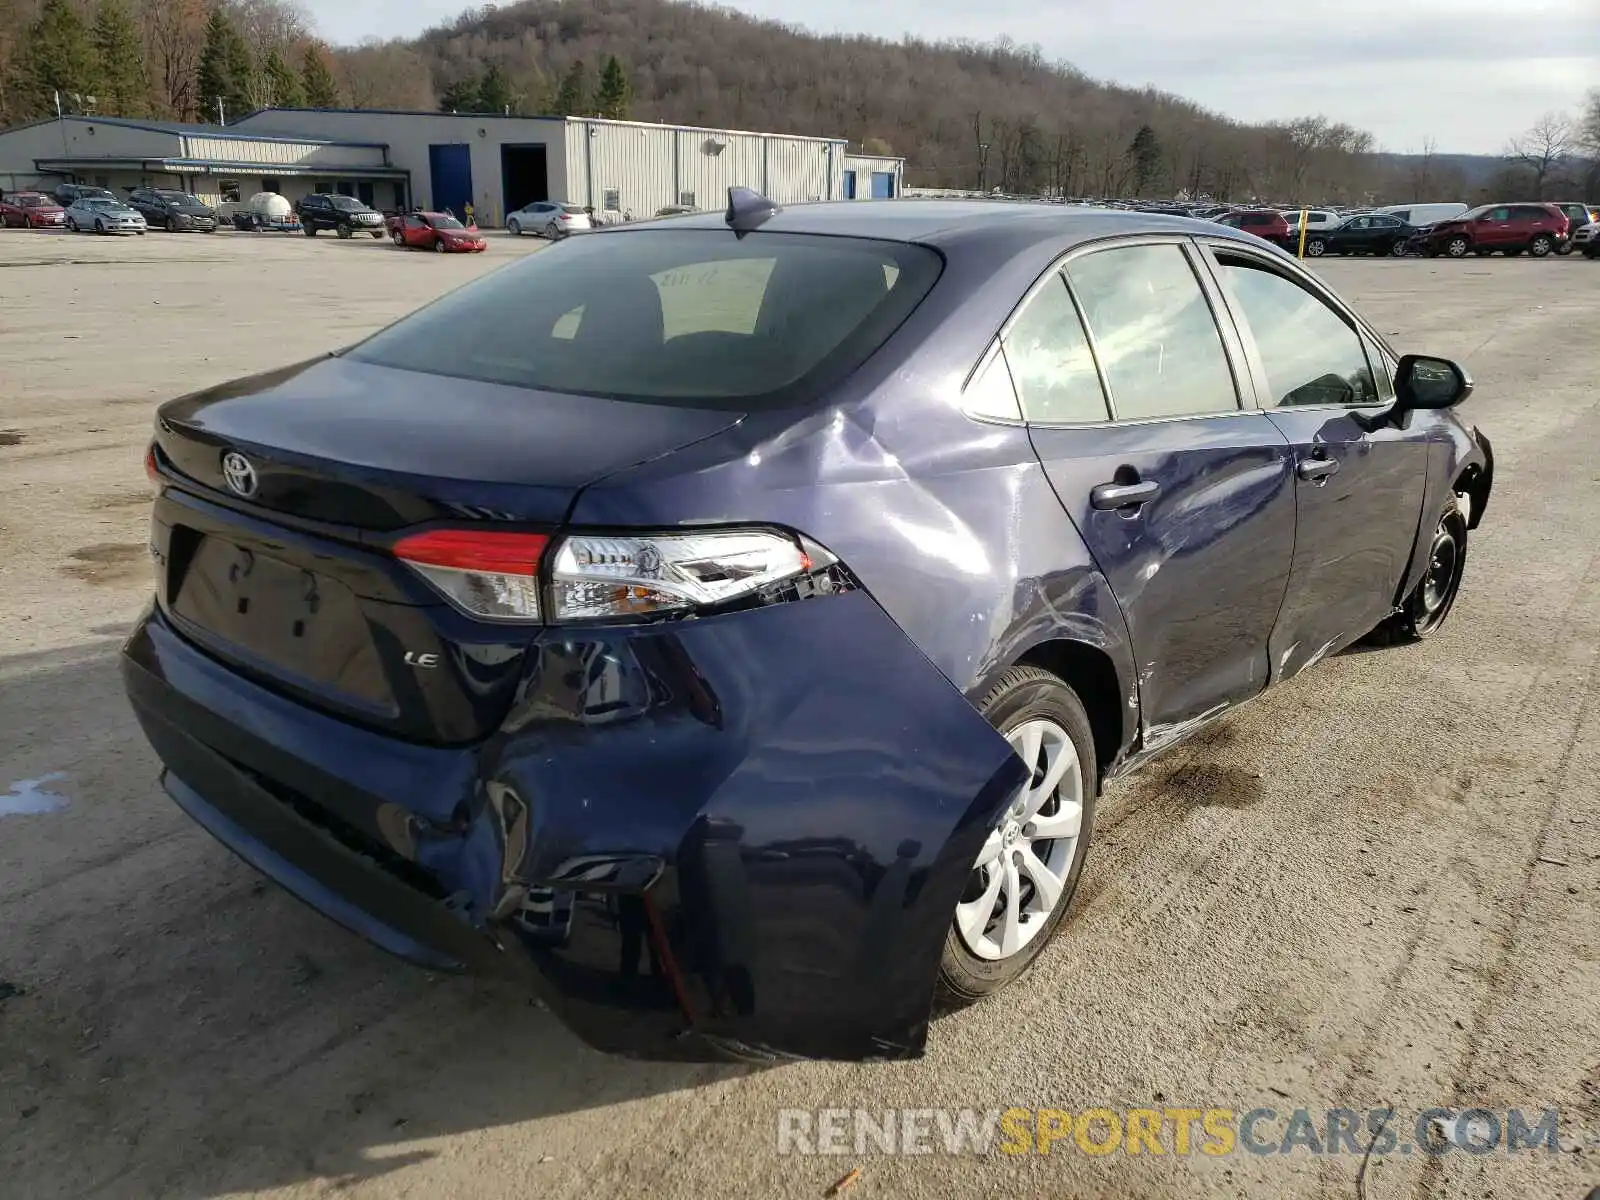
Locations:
column 1021, row 870
column 1540, row 246
column 1398, row 249
column 1457, row 248
column 1316, row 248
column 514, row 229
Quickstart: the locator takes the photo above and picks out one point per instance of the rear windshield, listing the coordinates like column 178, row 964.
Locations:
column 32, row 202
column 574, row 209
column 696, row 317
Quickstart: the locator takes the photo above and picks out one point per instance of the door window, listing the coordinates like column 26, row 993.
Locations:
column 1154, row 332
column 1310, row 353
column 1050, row 360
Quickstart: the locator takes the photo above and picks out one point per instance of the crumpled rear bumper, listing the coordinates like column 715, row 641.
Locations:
column 739, row 836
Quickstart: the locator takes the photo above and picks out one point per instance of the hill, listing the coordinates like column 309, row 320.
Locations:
column 963, row 114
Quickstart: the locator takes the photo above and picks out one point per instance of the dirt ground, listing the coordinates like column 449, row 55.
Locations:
column 1377, row 886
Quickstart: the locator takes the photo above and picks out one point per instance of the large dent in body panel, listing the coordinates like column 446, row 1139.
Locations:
column 799, row 796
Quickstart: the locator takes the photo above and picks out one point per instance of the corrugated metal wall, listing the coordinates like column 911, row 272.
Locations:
column 651, row 166
column 243, row 150
column 866, row 166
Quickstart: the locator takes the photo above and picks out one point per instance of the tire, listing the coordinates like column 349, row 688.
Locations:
column 1316, row 248
column 309, row 229
column 1397, row 249
column 398, row 238
column 172, row 224
column 1541, row 246
column 72, row 225
column 343, row 230
column 99, row 226
column 1565, row 249
column 975, row 962
column 1429, row 604
column 514, row 228
column 553, row 232
column 1592, row 250
column 376, row 234
column 438, row 246
column 1457, row 247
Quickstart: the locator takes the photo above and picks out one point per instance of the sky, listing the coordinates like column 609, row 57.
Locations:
column 1467, row 74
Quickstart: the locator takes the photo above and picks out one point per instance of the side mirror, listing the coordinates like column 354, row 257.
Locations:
column 1426, row 383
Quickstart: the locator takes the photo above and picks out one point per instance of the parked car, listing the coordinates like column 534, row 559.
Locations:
column 1264, row 223
column 31, row 210
column 266, row 212
column 1315, row 219
column 66, row 193
column 1578, row 215
column 510, row 683
column 98, row 215
column 434, row 231
column 1369, row 234
column 173, row 211
column 1419, row 215
column 1587, row 240
column 676, row 210
column 1540, row 229
column 549, row 219
column 345, row 215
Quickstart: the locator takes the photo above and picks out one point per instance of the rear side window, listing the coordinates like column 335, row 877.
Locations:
column 1311, row 356
column 1050, row 362
column 1153, row 329
column 697, row 317
column 1257, row 219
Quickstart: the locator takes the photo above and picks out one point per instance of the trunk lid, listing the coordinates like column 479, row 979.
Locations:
column 282, row 567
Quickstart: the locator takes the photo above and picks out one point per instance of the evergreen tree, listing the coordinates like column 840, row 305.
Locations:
column 615, row 95
column 572, row 100
column 124, row 86
column 282, row 85
column 494, row 91
column 58, row 57
column 1145, row 153
column 317, row 77
column 222, row 86
column 461, row 96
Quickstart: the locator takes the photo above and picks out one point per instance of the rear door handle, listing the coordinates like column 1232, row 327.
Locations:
column 1123, row 495
column 1316, row 469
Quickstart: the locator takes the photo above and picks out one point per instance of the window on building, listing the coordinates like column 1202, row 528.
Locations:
column 271, row 185
column 346, row 188
column 102, row 181
column 613, row 200
column 228, row 189
column 686, row 199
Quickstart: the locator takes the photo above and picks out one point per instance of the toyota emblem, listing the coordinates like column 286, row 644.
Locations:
column 240, row 475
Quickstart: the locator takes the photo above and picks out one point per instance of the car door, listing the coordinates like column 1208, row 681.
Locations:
column 1493, row 230
column 1354, row 235
column 1358, row 490
column 1183, row 495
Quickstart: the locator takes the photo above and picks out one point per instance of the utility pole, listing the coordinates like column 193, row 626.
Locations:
column 222, row 118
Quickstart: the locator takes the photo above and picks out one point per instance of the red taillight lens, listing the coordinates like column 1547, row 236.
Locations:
column 485, row 573
column 152, row 471
column 565, row 217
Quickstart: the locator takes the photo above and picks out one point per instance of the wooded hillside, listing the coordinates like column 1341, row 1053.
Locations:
column 965, row 115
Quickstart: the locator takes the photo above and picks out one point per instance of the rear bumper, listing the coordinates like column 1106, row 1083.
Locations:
column 695, row 841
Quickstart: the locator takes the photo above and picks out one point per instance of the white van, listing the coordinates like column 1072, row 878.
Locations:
column 1423, row 214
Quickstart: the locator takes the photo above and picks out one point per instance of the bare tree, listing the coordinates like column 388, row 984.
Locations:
column 1422, row 171
column 1543, row 149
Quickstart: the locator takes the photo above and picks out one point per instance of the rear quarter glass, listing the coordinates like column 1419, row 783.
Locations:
column 692, row 317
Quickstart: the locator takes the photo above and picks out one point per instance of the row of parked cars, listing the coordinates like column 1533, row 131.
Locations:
column 1433, row 230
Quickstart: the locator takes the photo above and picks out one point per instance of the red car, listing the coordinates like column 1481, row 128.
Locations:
column 1510, row 228
column 1264, row 223
column 31, row 210
column 434, row 231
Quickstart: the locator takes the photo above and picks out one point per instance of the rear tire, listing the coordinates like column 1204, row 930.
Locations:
column 1316, row 248
column 1026, row 703
column 1541, row 246
column 309, row 230
column 514, row 228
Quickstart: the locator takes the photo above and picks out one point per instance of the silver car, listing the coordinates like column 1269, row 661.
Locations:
column 547, row 218
column 104, row 216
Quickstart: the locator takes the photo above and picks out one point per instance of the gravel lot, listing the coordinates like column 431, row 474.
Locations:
column 1378, row 885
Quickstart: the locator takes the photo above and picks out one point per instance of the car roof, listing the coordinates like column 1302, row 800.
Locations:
column 940, row 222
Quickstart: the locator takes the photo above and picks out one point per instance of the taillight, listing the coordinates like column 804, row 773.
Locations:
column 594, row 576
column 565, row 217
column 488, row 574
column 152, row 470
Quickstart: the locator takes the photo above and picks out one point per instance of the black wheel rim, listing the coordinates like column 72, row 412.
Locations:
column 1438, row 588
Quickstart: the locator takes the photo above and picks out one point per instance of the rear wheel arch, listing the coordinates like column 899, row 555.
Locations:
column 1090, row 672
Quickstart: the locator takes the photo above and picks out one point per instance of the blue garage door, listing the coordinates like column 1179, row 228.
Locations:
column 849, row 185
column 883, row 185
column 450, row 172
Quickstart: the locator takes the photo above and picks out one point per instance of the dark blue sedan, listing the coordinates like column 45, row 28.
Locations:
column 726, row 625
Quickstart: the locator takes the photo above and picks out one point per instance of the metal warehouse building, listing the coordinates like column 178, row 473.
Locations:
column 393, row 160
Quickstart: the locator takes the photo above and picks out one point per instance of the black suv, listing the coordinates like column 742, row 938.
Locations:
column 173, row 211
column 66, row 193
column 345, row 215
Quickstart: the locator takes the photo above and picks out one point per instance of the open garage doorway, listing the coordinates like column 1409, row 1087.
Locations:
column 525, row 175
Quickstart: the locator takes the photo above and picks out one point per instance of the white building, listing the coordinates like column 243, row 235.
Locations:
column 396, row 160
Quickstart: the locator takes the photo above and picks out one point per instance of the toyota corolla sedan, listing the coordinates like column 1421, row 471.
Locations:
column 96, row 214
column 726, row 625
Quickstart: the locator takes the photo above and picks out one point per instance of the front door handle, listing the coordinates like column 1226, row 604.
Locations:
column 1124, row 495
column 1316, row 469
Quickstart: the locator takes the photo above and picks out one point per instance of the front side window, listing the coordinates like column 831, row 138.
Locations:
column 1310, row 354
column 696, row 317
column 1157, row 340
column 1050, row 361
